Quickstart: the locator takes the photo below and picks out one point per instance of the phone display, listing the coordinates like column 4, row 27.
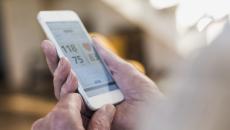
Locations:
column 77, row 47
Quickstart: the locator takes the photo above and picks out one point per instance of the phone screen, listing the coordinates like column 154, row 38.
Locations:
column 77, row 47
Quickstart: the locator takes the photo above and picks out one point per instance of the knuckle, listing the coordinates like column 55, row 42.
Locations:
column 64, row 91
column 63, row 119
column 65, row 65
column 58, row 119
column 56, row 115
column 100, row 124
column 58, row 78
column 62, row 70
column 73, row 81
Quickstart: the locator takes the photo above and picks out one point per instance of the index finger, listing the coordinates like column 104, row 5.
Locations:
column 51, row 54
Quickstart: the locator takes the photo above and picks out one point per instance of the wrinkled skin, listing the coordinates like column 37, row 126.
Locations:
column 66, row 115
column 136, row 87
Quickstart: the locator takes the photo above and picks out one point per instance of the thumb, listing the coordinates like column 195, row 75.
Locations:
column 114, row 62
column 40, row 124
column 102, row 119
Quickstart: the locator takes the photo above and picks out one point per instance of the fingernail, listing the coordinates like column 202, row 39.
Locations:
column 62, row 61
column 109, row 108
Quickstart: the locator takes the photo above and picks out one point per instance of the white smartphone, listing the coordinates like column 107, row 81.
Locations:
column 66, row 31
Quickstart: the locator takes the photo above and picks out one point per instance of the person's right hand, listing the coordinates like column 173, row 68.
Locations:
column 66, row 115
column 136, row 87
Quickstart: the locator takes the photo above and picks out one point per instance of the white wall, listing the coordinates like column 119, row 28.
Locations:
column 22, row 37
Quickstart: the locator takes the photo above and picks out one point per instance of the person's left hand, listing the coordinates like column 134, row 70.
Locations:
column 66, row 115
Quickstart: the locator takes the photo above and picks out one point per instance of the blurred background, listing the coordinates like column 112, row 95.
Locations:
column 155, row 35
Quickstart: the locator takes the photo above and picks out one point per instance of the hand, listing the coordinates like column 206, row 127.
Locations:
column 138, row 89
column 66, row 115
column 140, row 92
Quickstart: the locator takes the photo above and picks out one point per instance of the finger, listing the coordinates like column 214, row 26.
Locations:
column 102, row 119
column 113, row 61
column 67, row 113
column 40, row 124
column 70, row 85
column 60, row 75
column 119, row 68
column 72, row 101
column 51, row 54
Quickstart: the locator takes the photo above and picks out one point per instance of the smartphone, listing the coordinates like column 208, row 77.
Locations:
column 95, row 82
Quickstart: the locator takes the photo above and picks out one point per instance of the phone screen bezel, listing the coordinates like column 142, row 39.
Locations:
column 93, row 102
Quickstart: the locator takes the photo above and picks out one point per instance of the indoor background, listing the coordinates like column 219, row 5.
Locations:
column 155, row 34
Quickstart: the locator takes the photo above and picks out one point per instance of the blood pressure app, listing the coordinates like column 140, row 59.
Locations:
column 76, row 46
